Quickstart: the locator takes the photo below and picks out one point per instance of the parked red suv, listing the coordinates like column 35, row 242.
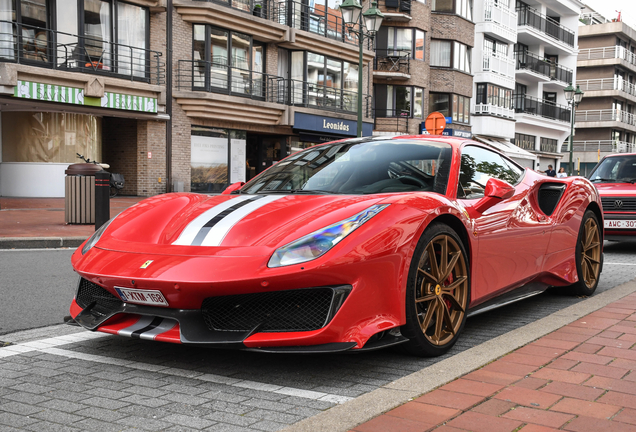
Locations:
column 615, row 180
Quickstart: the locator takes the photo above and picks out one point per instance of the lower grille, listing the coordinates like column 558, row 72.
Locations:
column 89, row 292
column 619, row 204
column 278, row 311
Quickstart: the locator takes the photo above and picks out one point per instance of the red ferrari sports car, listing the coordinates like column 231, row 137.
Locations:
column 615, row 179
column 350, row 245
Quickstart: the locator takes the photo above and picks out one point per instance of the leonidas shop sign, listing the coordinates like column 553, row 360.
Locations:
column 75, row 96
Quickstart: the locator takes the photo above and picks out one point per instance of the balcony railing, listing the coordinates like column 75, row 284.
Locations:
column 527, row 16
column 498, row 63
column 611, row 52
column 531, row 105
column 496, row 12
column 197, row 75
column 606, row 115
column 529, row 61
column 608, row 84
column 494, row 110
column 605, row 146
column 391, row 61
column 400, row 5
column 46, row 48
column 391, row 120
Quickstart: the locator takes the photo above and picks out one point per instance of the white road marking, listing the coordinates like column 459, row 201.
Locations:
column 618, row 264
column 50, row 346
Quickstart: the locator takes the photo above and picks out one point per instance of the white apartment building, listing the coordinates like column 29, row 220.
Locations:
column 545, row 56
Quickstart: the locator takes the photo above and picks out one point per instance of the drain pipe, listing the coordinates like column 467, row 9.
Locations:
column 169, row 96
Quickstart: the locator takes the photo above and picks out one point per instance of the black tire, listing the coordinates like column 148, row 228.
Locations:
column 589, row 255
column 437, row 293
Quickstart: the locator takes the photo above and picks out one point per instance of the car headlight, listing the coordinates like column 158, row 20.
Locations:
column 317, row 243
column 96, row 236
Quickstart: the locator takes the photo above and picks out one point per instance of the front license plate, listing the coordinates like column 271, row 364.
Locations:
column 147, row 297
column 620, row 224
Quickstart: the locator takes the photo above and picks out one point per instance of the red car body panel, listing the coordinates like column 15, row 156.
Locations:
column 511, row 244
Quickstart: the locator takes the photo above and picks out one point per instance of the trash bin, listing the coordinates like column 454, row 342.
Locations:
column 79, row 193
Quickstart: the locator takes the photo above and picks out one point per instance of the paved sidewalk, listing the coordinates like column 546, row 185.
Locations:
column 581, row 377
column 39, row 222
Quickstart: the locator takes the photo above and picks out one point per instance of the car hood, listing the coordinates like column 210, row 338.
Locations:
column 616, row 189
column 194, row 224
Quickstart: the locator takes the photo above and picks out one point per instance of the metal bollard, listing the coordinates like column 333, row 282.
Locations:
column 102, row 198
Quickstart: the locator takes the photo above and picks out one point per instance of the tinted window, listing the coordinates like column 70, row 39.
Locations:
column 478, row 165
column 378, row 166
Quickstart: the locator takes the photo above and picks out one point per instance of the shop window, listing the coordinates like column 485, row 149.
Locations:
column 451, row 105
column 217, row 158
column 50, row 137
column 227, row 61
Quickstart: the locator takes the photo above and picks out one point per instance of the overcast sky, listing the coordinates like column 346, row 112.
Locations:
column 608, row 9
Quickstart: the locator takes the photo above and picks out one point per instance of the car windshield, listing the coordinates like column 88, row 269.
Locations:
column 369, row 167
column 615, row 169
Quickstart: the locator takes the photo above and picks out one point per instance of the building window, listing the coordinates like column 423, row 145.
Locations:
column 463, row 8
column 399, row 101
column 209, row 157
column 451, row 105
column 227, row 61
column 493, row 95
column 525, row 141
column 548, row 145
column 494, row 47
column 400, row 40
column 445, row 53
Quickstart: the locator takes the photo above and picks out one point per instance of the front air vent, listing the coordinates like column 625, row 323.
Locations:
column 549, row 196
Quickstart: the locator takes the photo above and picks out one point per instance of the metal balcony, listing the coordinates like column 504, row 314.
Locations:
column 391, row 120
column 532, row 62
column 393, row 64
column 608, row 84
column 611, row 52
column 606, row 115
column 527, row 16
column 530, row 105
column 604, row 146
column 36, row 46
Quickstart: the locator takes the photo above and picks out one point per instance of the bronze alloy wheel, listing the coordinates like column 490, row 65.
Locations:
column 441, row 290
column 590, row 253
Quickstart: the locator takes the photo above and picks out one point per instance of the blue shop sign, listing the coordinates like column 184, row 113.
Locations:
column 330, row 125
column 457, row 133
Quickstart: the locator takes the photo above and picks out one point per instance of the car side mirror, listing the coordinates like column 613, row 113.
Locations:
column 231, row 188
column 496, row 191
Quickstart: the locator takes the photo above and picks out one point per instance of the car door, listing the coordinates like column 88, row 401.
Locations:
column 512, row 237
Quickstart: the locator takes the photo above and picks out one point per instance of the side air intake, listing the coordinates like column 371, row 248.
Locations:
column 549, row 196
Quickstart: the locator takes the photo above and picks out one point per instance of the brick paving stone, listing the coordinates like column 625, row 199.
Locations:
column 586, row 408
column 56, row 416
column 624, row 329
column 101, row 414
column 561, row 375
column 268, row 426
column 555, row 343
column 482, row 375
column 19, row 408
column 588, row 358
column 450, row 399
column 527, row 397
column 628, row 337
column 622, row 363
column 588, row 348
column 188, row 421
column 600, row 370
column 573, row 391
column 386, row 423
column 626, row 416
column 29, row 398
column 526, row 359
column 102, row 402
column 562, row 364
column 630, row 377
column 143, row 423
column 539, row 417
column 580, row 330
column 626, row 354
column 62, row 405
column 89, row 424
column 531, row 383
column 222, row 427
column 619, row 399
column 240, row 420
column 267, row 404
column 541, row 351
column 15, row 420
column 590, row 424
column 537, row 428
column 621, row 386
column 616, row 314
column 591, row 322
column 145, row 401
column 505, row 367
column 49, row 427
column 472, row 387
column 606, row 342
column 415, row 411
column 610, row 334
column 570, row 337
column 184, row 398
column 494, row 407
column 477, row 422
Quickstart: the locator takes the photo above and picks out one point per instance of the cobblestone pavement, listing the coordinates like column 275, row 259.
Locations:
column 62, row 378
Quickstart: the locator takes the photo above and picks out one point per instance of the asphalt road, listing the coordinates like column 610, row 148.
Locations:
column 110, row 383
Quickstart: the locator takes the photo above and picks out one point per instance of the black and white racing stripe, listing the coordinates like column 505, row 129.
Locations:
column 148, row 327
column 211, row 227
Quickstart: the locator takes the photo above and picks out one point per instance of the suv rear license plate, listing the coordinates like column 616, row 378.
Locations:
column 147, row 297
column 620, row 224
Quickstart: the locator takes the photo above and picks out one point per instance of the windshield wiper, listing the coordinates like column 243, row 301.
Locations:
column 601, row 180
column 310, row 192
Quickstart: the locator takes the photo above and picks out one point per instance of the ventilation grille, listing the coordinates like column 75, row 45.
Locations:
column 88, row 292
column 279, row 311
column 549, row 196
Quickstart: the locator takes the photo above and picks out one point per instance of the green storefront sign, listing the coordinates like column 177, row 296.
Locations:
column 75, row 96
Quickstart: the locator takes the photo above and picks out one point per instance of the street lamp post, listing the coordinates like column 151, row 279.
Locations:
column 372, row 20
column 573, row 99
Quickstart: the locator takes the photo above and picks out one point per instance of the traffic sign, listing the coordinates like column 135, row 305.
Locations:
column 435, row 123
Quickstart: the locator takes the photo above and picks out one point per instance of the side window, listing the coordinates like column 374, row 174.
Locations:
column 478, row 165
